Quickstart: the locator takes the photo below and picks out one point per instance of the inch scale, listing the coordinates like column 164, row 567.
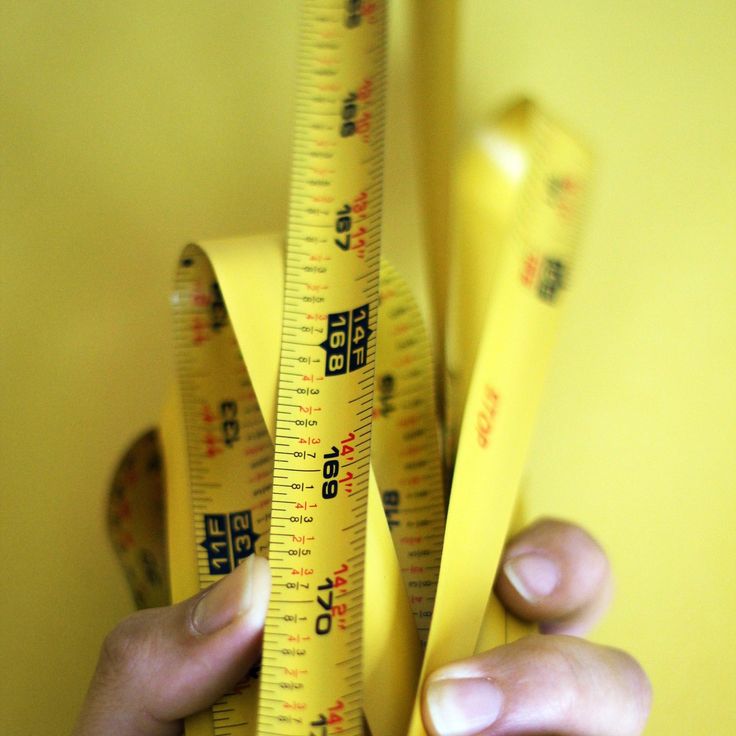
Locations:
column 312, row 668
column 311, row 513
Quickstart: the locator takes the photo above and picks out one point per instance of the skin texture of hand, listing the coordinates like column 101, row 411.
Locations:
column 555, row 574
column 160, row 665
column 163, row 664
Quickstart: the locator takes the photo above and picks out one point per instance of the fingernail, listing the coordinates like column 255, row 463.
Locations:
column 242, row 593
column 533, row 575
column 462, row 706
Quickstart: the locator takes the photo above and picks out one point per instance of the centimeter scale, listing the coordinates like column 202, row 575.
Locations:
column 312, row 674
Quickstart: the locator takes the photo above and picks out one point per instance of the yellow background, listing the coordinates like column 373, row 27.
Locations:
column 128, row 129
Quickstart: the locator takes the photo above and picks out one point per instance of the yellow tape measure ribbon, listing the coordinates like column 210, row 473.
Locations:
column 239, row 502
column 312, row 672
column 527, row 277
column 276, row 460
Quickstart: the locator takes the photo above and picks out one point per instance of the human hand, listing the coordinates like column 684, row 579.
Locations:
column 555, row 574
column 163, row 664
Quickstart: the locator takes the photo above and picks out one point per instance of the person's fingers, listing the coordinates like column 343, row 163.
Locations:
column 555, row 573
column 163, row 664
column 540, row 684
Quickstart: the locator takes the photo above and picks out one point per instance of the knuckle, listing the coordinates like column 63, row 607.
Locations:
column 576, row 537
column 123, row 646
column 577, row 681
column 578, row 550
column 639, row 690
column 562, row 665
column 558, row 669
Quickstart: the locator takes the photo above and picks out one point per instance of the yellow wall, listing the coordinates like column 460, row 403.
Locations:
column 128, row 129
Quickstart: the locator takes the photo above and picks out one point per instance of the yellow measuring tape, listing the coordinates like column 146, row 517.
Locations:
column 390, row 626
column 520, row 190
column 312, row 667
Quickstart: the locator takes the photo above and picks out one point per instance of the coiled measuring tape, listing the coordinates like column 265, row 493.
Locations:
column 228, row 312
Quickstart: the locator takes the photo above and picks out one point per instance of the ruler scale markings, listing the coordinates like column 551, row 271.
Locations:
column 342, row 350
column 416, row 522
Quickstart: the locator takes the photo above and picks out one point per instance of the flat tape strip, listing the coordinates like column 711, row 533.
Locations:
column 391, row 639
column 522, row 252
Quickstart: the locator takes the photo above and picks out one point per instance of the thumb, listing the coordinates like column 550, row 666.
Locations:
column 163, row 664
